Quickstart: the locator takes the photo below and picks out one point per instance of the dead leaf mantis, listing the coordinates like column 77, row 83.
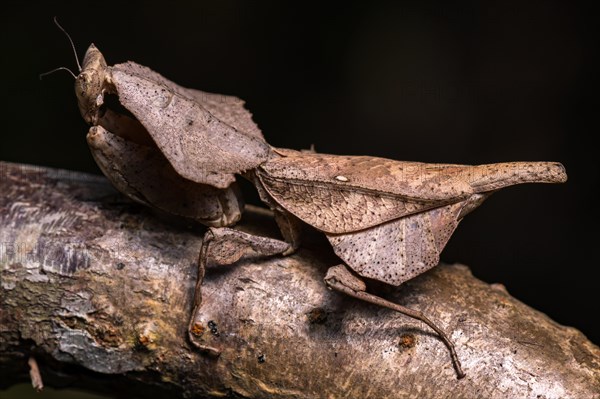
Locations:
column 178, row 151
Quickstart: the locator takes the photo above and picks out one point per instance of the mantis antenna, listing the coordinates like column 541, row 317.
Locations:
column 74, row 52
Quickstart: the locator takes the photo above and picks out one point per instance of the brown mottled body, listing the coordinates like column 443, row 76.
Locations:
column 180, row 150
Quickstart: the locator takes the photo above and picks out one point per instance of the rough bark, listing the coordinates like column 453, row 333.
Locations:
column 99, row 291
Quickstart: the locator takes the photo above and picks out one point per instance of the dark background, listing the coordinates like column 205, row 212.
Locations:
column 435, row 82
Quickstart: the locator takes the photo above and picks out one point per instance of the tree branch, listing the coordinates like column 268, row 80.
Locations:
column 93, row 285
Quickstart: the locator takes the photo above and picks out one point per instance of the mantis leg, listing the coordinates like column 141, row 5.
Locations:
column 224, row 246
column 341, row 279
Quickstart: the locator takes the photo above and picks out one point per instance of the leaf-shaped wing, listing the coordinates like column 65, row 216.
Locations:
column 399, row 250
column 200, row 136
column 342, row 194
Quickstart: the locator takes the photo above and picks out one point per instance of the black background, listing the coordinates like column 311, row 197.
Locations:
column 460, row 83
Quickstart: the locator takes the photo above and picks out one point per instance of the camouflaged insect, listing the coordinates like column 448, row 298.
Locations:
column 178, row 150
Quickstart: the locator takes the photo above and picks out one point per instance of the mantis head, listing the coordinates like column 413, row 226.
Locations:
column 91, row 84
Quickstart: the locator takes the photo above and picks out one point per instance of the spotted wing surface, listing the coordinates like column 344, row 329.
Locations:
column 342, row 194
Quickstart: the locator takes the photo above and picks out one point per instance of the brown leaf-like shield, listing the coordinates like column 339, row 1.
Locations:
column 207, row 138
